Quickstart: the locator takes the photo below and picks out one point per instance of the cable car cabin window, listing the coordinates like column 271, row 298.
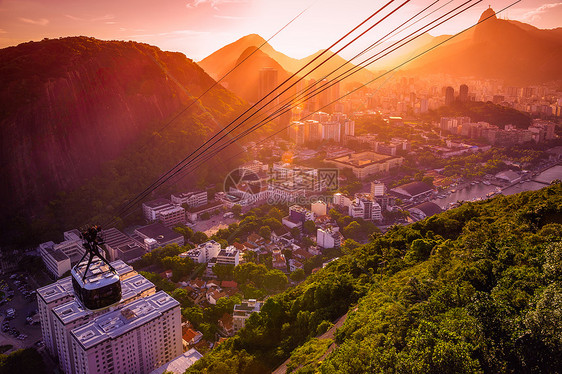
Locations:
column 98, row 297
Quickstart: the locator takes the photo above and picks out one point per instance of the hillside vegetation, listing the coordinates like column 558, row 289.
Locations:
column 477, row 289
column 81, row 125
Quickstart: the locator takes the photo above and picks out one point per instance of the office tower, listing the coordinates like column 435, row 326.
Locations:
column 331, row 131
column 312, row 130
column 463, row 93
column 449, row 95
column 349, row 127
column 297, row 132
column 267, row 82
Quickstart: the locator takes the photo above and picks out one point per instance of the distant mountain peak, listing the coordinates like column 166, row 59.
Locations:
column 488, row 13
column 254, row 39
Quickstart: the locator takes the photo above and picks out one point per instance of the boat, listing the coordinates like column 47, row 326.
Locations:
column 486, row 183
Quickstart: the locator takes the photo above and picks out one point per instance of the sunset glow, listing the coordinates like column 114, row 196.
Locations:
column 199, row 27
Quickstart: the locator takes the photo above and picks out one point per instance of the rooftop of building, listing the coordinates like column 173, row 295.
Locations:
column 179, row 364
column 414, row 188
column 362, row 159
column 118, row 322
column 63, row 287
column 184, row 195
column 209, row 206
column 159, row 232
column 228, row 253
column 56, row 254
column 56, row 291
column 428, row 208
column 156, row 203
column 115, row 238
column 130, row 289
column 508, row 174
column 248, row 306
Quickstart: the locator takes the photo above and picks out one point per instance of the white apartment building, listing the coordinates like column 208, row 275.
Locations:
column 329, row 237
column 378, row 188
column 72, row 315
column 341, row 200
column 319, row 208
column 349, row 127
column 164, row 211
column 204, row 252
column 172, row 216
column 331, row 131
column 138, row 338
column 61, row 292
column 365, row 207
column 243, row 311
column 59, row 258
column 192, row 199
column 228, row 256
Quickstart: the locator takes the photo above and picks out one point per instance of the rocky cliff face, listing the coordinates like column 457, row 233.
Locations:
column 69, row 106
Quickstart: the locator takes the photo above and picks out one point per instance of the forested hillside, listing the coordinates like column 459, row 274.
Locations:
column 83, row 128
column 474, row 289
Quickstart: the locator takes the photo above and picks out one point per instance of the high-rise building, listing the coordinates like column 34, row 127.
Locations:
column 463, row 93
column 297, row 131
column 138, row 334
column 331, row 131
column 349, row 127
column 138, row 338
column 72, row 315
column 61, row 292
column 267, row 82
column 449, row 95
column 312, row 131
column 424, row 105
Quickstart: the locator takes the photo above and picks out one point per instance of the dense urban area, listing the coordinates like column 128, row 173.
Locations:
column 330, row 184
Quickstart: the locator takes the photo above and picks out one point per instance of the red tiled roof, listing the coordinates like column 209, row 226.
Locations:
column 226, row 321
column 229, row 284
column 239, row 246
column 189, row 334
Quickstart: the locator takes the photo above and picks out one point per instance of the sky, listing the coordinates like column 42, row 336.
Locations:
column 199, row 27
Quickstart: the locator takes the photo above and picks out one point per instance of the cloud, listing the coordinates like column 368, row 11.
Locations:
column 229, row 17
column 40, row 21
column 535, row 14
column 170, row 33
column 213, row 3
column 106, row 17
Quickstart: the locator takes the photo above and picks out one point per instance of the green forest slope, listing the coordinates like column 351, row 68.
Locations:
column 474, row 289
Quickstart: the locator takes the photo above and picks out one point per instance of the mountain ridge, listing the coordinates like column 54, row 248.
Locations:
column 514, row 51
column 70, row 106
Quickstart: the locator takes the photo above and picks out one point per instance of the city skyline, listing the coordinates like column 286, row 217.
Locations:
column 199, row 27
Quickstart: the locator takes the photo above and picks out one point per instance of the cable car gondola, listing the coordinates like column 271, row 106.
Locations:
column 96, row 283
